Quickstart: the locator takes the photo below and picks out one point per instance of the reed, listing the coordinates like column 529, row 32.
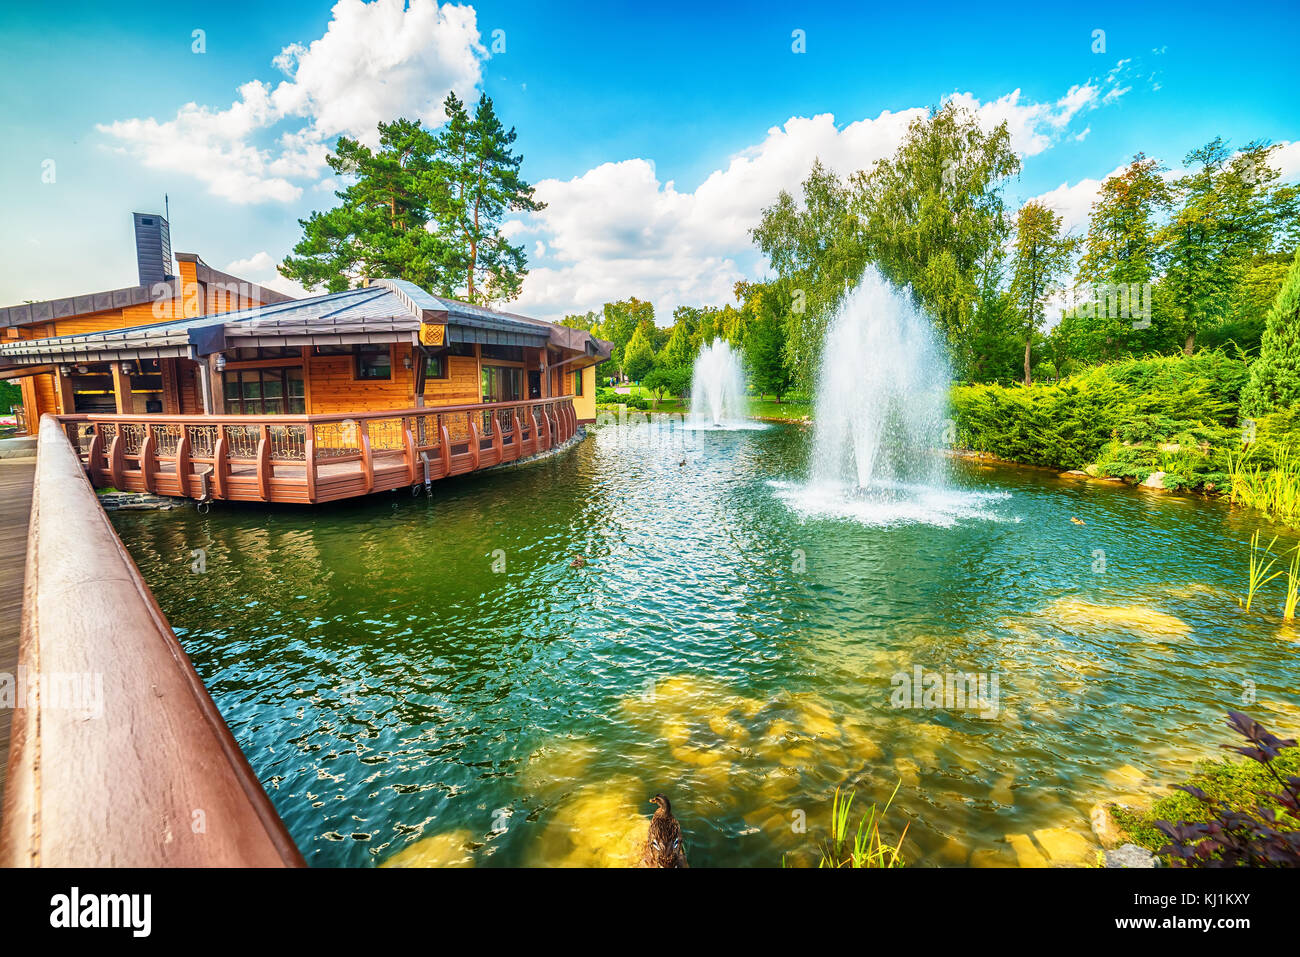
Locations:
column 1275, row 491
column 1292, row 587
column 1258, row 570
column 865, row 848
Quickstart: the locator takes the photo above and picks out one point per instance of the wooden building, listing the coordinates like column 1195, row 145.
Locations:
column 202, row 385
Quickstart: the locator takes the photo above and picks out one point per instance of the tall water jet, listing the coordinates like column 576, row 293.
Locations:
column 880, row 414
column 882, row 393
column 718, row 388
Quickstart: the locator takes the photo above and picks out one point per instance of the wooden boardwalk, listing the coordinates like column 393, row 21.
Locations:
column 15, row 508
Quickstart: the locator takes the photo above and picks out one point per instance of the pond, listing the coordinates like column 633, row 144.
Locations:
column 436, row 680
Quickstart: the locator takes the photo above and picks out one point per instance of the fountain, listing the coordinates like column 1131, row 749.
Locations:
column 880, row 413
column 718, row 389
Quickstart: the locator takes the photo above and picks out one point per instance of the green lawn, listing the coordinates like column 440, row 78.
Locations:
column 765, row 407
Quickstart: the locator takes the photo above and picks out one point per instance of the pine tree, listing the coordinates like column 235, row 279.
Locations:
column 477, row 182
column 639, row 358
column 1275, row 376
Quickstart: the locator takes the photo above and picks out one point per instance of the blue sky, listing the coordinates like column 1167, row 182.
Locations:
column 647, row 127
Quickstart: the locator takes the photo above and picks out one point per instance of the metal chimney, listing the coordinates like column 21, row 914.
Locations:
column 153, row 248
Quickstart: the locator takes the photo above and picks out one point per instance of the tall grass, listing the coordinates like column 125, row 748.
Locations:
column 865, row 848
column 1292, row 587
column 1258, row 570
column 1275, row 491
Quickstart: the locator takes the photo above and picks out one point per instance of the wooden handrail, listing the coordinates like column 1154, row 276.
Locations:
column 156, row 779
column 311, row 458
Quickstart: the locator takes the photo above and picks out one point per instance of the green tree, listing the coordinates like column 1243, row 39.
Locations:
column 931, row 213
column 679, row 350
column 378, row 228
column 1225, row 216
column 1275, row 375
column 476, row 183
column 1039, row 256
column 639, row 357
column 620, row 323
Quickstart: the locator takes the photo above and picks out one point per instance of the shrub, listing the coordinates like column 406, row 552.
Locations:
column 1275, row 375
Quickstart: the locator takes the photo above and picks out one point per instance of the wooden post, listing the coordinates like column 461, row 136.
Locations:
column 309, row 454
column 148, row 461
column 122, row 390
column 264, row 462
column 216, row 387
column 408, row 440
column 115, row 459
column 205, row 387
column 474, row 450
column 444, row 447
column 219, row 464
column 518, row 432
column 367, row 466
column 65, row 400
column 183, row 461
column 96, row 452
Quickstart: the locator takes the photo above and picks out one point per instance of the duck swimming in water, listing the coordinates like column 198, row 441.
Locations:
column 663, row 846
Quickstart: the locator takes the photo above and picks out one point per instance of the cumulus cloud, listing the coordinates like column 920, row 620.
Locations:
column 260, row 268
column 374, row 62
column 619, row 230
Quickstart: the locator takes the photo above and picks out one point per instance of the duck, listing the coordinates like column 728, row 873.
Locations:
column 681, row 463
column 1076, row 520
column 663, row 846
column 578, row 562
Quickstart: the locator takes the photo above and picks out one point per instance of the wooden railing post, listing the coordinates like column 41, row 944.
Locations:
column 115, row 465
column 264, row 462
column 96, row 454
column 518, row 432
column 183, row 461
column 498, row 440
column 474, row 450
column 367, row 466
column 309, row 454
column 148, row 462
column 220, row 466
column 408, row 439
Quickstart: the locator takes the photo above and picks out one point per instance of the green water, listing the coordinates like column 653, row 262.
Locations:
column 395, row 694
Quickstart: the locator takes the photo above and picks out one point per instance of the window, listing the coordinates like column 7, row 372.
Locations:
column 373, row 362
column 332, row 350
column 265, row 391
column 502, row 384
column 435, row 366
column 246, row 354
column 577, row 381
column 462, row 349
column 504, row 353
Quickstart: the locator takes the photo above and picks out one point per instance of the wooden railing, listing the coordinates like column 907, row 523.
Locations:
column 118, row 755
column 311, row 458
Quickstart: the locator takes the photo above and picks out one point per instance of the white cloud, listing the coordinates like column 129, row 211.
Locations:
column 375, row 61
column 260, row 268
column 619, row 230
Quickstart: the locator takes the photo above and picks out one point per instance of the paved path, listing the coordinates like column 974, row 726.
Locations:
column 15, row 507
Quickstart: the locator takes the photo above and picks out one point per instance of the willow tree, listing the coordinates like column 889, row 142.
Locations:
column 1039, row 256
column 927, row 217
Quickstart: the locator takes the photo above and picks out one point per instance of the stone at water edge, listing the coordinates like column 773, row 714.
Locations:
column 1130, row 855
column 1155, row 480
column 1109, row 833
column 1091, row 470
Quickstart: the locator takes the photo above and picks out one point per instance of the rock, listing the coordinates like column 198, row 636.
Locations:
column 1091, row 470
column 1073, row 473
column 1155, row 480
column 1130, row 855
column 1109, row 833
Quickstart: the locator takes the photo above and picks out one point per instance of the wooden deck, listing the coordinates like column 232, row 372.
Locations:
column 15, row 510
column 309, row 459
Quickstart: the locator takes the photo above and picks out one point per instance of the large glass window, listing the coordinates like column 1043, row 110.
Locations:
column 265, row 391
column 503, row 384
column 577, row 381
